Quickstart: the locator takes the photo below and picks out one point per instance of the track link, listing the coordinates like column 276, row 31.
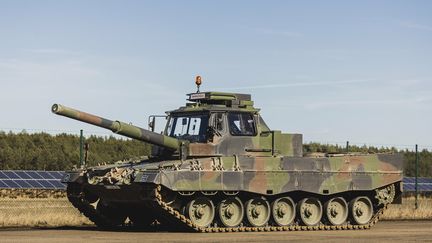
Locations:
column 185, row 222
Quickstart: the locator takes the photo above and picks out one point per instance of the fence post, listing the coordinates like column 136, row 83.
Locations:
column 81, row 156
column 416, row 177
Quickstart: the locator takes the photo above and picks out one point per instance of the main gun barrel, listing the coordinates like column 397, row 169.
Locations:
column 118, row 127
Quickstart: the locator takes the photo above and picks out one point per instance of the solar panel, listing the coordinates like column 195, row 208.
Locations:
column 421, row 187
column 34, row 175
column 56, row 174
column 22, row 175
column 420, row 180
column 28, row 179
column 46, row 184
column 3, row 175
column 423, row 184
column 45, row 175
column 408, row 179
column 2, row 184
column 35, row 184
column 425, row 180
column 11, row 175
column 11, row 184
column 22, row 183
column 425, row 187
column 408, row 187
column 58, row 184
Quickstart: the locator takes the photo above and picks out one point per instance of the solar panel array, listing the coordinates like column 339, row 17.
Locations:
column 36, row 179
column 31, row 179
column 424, row 184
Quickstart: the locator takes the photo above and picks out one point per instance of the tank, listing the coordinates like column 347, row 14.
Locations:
column 218, row 167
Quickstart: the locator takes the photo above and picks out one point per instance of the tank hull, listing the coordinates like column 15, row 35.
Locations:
column 149, row 185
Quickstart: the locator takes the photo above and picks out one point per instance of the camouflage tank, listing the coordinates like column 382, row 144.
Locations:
column 218, row 167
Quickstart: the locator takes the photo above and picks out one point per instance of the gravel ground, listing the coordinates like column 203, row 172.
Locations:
column 387, row 231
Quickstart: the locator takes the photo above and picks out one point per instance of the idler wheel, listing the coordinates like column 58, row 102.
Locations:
column 336, row 211
column 310, row 211
column 231, row 211
column 257, row 211
column 283, row 211
column 201, row 211
column 361, row 210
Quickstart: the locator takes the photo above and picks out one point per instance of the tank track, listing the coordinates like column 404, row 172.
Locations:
column 185, row 222
column 78, row 200
column 180, row 222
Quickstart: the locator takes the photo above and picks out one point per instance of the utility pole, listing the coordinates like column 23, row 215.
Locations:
column 81, row 155
column 416, row 177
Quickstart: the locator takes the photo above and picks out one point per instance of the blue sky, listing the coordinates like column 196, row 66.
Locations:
column 332, row 70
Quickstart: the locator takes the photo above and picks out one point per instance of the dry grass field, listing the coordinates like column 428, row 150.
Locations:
column 42, row 212
column 407, row 210
column 50, row 208
column 42, row 208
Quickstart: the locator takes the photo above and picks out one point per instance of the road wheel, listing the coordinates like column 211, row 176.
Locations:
column 310, row 211
column 231, row 211
column 361, row 210
column 336, row 211
column 283, row 211
column 257, row 211
column 201, row 211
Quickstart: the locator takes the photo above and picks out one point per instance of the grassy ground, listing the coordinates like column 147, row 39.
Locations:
column 51, row 209
column 39, row 212
column 407, row 210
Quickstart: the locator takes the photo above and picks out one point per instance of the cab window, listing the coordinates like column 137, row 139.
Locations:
column 241, row 124
column 189, row 127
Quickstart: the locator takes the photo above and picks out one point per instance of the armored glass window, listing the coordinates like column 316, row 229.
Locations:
column 241, row 124
column 192, row 128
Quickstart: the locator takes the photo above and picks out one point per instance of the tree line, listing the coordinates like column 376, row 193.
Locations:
column 425, row 156
column 43, row 151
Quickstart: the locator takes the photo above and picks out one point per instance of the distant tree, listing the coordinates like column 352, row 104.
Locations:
column 425, row 156
column 42, row 151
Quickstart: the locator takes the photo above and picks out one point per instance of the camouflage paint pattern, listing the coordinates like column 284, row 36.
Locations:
column 275, row 175
column 268, row 162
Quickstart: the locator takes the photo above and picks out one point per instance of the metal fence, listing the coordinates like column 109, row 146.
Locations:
column 37, row 207
column 44, row 205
